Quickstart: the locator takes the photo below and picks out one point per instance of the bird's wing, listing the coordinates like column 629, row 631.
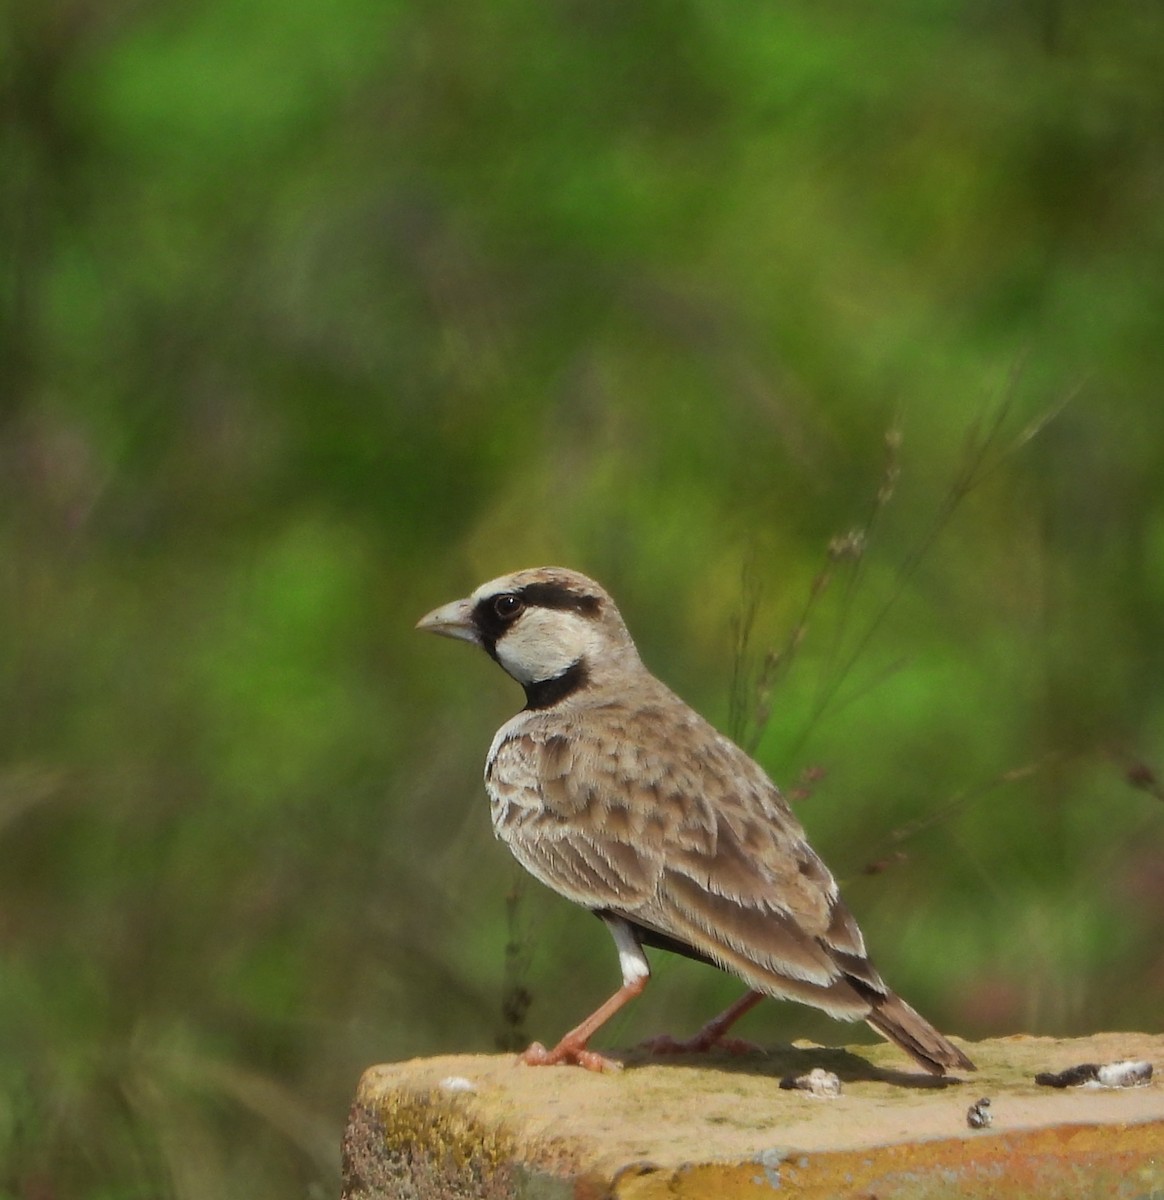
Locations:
column 653, row 816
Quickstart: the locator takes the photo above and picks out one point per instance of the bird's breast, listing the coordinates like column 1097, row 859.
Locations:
column 512, row 780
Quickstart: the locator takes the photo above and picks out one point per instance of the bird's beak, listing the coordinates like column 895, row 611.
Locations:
column 452, row 620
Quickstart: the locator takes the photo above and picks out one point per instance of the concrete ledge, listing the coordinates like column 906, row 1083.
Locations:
column 720, row 1126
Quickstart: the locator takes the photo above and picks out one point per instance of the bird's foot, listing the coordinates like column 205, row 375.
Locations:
column 700, row 1043
column 713, row 1035
column 567, row 1053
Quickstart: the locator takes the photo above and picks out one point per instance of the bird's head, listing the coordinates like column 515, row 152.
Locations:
column 554, row 630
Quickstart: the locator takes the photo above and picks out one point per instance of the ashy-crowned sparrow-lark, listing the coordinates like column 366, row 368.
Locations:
column 618, row 796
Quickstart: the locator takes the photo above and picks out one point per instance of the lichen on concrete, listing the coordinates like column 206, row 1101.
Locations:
column 429, row 1144
column 704, row 1126
column 425, row 1146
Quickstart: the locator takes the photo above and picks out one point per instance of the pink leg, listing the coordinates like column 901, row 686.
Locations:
column 712, row 1034
column 572, row 1048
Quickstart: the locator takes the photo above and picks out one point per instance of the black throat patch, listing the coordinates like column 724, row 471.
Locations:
column 545, row 693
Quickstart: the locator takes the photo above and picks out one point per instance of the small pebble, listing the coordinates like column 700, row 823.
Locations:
column 457, row 1083
column 978, row 1115
column 818, row 1082
column 1125, row 1074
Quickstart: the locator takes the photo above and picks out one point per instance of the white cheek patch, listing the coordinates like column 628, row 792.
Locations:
column 544, row 643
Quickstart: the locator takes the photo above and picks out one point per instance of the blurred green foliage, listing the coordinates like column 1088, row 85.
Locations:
column 315, row 316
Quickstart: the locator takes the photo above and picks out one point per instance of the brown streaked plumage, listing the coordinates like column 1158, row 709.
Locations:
column 614, row 793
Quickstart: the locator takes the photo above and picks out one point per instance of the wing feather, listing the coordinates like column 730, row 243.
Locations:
column 692, row 843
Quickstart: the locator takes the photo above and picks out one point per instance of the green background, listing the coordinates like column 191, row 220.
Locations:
column 315, row 316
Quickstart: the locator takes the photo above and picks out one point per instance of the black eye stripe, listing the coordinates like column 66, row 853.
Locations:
column 553, row 595
column 493, row 621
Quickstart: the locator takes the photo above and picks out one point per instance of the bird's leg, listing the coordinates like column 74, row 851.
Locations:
column 572, row 1048
column 635, row 973
column 712, row 1034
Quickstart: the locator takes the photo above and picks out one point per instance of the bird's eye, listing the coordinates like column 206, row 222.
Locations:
column 508, row 606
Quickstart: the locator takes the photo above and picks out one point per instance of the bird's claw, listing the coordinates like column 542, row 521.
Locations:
column 567, row 1054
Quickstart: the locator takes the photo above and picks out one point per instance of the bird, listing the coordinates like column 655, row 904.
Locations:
column 614, row 793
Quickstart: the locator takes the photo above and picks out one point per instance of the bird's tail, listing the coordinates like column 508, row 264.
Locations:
column 895, row 1020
